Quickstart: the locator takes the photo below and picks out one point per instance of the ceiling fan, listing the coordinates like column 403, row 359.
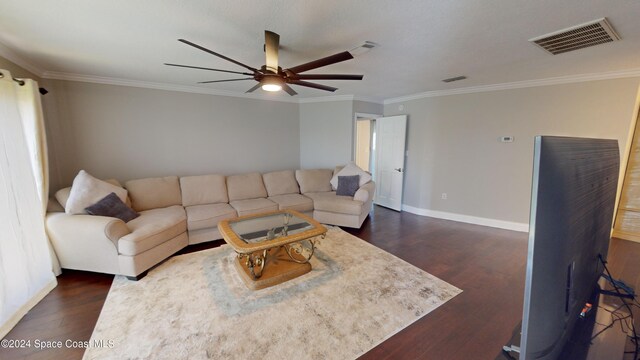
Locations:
column 272, row 77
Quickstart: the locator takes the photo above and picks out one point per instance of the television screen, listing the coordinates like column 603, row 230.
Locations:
column 572, row 205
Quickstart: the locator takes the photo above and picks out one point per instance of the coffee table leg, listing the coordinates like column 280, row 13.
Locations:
column 305, row 259
column 255, row 263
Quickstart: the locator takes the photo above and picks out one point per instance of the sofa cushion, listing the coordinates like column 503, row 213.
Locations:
column 293, row 202
column 349, row 170
column 152, row 228
column 252, row 206
column 330, row 202
column 203, row 189
column 153, row 193
column 87, row 190
column 314, row 180
column 208, row 216
column 246, row 186
column 281, row 182
column 112, row 206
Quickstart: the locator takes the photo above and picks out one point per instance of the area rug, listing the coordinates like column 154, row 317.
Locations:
column 195, row 306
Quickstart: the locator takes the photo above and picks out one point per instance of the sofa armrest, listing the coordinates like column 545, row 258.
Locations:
column 86, row 242
column 86, row 227
column 366, row 192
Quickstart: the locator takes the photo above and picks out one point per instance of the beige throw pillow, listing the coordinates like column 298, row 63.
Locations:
column 62, row 195
column 350, row 170
column 87, row 190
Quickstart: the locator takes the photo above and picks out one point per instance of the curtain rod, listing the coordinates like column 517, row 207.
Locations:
column 42, row 90
column 20, row 82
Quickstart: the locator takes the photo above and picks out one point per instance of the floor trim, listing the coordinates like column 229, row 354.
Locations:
column 24, row 309
column 500, row 224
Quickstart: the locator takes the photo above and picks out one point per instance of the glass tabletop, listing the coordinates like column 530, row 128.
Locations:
column 269, row 227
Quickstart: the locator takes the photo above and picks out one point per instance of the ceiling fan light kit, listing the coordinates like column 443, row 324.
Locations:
column 271, row 83
column 270, row 76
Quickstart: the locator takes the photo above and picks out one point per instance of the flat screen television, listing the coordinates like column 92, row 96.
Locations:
column 572, row 205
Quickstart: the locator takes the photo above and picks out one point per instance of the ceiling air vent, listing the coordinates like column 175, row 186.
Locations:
column 577, row 37
column 457, row 78
column 361, row 49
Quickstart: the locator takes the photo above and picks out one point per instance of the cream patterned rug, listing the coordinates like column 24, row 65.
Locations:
column 195, row 306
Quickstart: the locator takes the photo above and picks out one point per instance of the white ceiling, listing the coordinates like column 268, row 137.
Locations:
column 421, row 41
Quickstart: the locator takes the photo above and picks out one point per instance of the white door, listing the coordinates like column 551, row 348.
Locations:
column 390, row 144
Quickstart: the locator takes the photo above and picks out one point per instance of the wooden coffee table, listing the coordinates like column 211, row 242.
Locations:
column 272, row 247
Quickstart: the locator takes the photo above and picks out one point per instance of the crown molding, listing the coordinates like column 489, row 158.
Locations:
column 158, row 86
column 318, row 99
column 520, row 84
column 12, row 56
column 195, row 89
column 368, row 99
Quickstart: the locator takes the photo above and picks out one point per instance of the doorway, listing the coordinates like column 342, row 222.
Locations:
column 364, row 147
column 627, row 218
column 364, row 142
column 379, row 148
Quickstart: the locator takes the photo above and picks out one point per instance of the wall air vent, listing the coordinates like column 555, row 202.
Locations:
column 577, row 37
column 454, row 79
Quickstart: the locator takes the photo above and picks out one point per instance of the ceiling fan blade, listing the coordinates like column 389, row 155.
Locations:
column 216, row 54
column 205, row 68
column 336, row 58
column 289, row 90
column 312, row 85
column 327, row 77
column 217, row 81
column 271, row 45
column 254, row 88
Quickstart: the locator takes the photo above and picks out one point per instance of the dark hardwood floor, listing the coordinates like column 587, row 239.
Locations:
column 487, row 264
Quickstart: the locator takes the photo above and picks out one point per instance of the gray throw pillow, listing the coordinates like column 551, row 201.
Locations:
column 348, row 185
column 112, row 206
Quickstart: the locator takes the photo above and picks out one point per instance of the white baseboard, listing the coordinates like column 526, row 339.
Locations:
column 501, row 224
column 24, row 309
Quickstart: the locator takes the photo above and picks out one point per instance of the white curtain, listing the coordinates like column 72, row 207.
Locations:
column 26, row 274
column 30, row 106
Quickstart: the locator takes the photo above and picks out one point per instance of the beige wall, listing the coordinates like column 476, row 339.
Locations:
column 327, row 131
column 127, row 132
column 453, row 141
column 367, row 107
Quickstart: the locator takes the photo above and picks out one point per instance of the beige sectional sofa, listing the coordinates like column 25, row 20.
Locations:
column 175, row 212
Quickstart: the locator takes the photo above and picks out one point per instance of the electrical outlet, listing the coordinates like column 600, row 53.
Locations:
column 444, row 196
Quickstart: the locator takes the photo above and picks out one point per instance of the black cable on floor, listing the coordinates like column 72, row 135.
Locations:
column 635, row 338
